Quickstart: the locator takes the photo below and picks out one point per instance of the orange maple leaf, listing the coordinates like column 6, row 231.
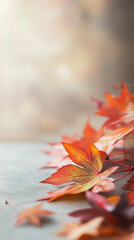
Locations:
column 119, row 110
column 91, row 133
column 107, row 217
column 84, row 175
column 58, row 153
column 107, row 142
column 92, row 229
column 88, row 230
column 32, row 215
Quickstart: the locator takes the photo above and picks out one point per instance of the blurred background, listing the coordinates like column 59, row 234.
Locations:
column 55, row 56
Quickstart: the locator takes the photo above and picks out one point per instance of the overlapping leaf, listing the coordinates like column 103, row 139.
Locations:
column 130, row 184
column 85, row 175
column 119, row 110
column 112, row 217
column 58, row 153
column 107, row 142
column 89, row 230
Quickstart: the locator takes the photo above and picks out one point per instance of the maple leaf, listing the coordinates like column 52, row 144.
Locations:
column 98, row 200
column 91, row 133
column 85, row 175
column 68, row 139
column 94, row 228
column 118, row 206
column 116, row 214
column 99, row 104
column 119, row 110
column 90, row 229
column 58, row 153
column 130, row 184
column 107, row 142
column 32, row 215
column 100, row 207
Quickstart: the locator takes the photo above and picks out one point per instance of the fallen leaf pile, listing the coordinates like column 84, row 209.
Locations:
column 84, row 163
column 108, row 217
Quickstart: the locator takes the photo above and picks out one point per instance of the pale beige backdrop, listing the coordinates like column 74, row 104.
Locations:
column 54, row 56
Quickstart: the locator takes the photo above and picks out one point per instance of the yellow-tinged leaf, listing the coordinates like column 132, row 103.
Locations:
column 84, row 176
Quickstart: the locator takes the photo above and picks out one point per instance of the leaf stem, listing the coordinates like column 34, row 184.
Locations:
column 119, row 164
column 123, row 176
column 13, row 205
column 126, row 170
column 116, row 153
column 125, row 158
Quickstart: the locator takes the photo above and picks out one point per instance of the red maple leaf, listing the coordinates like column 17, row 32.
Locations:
column 119, row 110
column 90, row 133
column 111, row 217
column 85, row 175
column 130, row 184
column 58, row 153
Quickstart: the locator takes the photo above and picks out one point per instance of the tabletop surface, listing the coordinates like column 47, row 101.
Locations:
column 19, row 184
